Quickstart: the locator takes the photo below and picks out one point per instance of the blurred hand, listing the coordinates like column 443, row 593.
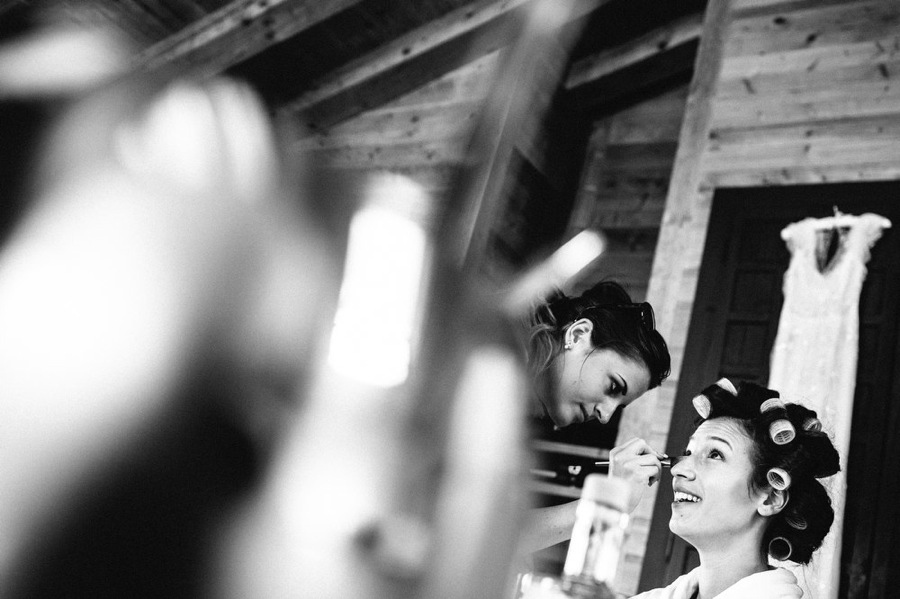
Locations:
column 639, row 464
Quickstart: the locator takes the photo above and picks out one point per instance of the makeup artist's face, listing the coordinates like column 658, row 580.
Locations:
column 713, row 496
column 593, row 383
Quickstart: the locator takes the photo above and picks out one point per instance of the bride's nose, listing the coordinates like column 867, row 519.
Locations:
column 681, row 466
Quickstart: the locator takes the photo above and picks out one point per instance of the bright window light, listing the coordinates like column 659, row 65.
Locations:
column 378, row 304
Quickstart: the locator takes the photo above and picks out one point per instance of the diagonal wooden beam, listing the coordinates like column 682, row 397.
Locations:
column 685, row 30
column 411, row 60
column 236, row 32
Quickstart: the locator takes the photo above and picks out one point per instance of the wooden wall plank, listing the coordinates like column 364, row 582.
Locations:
column 836, row 131
column 750, row 8
column 884, row 70
column 871, row 99
column 816, row 26
column 824, row 58
column 794, row 175
column 797, row 153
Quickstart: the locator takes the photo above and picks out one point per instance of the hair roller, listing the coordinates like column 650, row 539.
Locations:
column 773, row 403
column 796, row 521
column 782, row 431
column 780, row 548
column 702, row 405
column 812, row 425
column 726, row 384
column 778, row 478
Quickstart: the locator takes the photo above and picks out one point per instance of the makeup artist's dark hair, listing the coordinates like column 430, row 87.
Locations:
column 797, row 530
column 619, row 324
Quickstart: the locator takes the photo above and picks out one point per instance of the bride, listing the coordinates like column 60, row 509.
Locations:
column 746, row 490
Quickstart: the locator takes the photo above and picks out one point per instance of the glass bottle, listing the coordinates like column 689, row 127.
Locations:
column 597, row 537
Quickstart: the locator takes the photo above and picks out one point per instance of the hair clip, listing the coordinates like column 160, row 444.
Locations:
column 778, row 478
column 780, row 548
column 812, row 425
column 796, row 521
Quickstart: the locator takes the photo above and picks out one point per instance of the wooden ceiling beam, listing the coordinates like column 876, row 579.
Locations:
column 236, row 32
column 682, row 31
column 616, row 78
column 414, row 59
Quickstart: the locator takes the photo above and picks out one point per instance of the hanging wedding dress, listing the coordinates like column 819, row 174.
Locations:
column 815, row 354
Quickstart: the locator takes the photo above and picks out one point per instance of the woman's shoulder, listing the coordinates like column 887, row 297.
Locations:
column 776, row 583
column 684, row 587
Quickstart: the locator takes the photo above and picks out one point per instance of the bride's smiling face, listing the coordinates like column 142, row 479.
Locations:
column 714, row 497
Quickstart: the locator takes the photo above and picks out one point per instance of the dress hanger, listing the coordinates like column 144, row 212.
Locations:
column 841, row 220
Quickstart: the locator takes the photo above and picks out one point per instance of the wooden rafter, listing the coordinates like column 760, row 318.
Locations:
column 236, row 32
column 683, row 31
column 414, row 59
column 407, row 47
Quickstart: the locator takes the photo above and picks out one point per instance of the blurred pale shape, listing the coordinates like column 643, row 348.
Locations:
column 556, row 270
column 202, row 139
column 379, row 300
column 576, row 253
column 59, row 60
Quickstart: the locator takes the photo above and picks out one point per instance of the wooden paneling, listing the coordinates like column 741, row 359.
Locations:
column 815, row 27
column 623, row 187
column 421, row 134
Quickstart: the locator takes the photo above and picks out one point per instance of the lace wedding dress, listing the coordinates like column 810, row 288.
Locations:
column 815, row 354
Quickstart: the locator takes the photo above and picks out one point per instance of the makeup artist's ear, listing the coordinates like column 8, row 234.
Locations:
column 772, row 502
column 579, row 332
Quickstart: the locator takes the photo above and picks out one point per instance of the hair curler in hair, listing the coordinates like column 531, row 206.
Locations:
column 779, row 479
column 702, row 405
column 812, row 425
column 726, row 384
column 782, row 431
column 780, row 548
column 773, row 403
column 701, row 402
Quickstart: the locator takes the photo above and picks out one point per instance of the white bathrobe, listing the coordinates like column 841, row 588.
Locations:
column 772, row 584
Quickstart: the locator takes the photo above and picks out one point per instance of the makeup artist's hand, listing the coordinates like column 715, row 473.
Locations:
column 639, row 464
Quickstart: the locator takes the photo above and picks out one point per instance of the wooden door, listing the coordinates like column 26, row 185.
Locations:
column 732, row 330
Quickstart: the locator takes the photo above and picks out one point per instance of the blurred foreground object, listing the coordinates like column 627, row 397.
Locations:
column 593, row 555
column 159, row 289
